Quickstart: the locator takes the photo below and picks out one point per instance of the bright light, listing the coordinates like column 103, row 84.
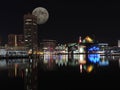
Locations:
column 81, row 57
column 81, row 49
column 94, row 58
column 80, row 68
column 104, row 63
column 89, row 68
column 89, row 39
column 30, row 51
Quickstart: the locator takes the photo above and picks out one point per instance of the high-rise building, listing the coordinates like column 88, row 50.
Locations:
column 15, row 40
column 30, row 31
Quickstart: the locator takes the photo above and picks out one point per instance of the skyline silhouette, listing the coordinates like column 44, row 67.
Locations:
column 68, row 19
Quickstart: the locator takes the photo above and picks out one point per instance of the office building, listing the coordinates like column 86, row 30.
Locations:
column 15, row 40
column 30, row 31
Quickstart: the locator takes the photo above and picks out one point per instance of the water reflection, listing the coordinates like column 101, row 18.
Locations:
column 31, row 75
column 24, row 69
column 94, row 58
column 119, row 62
column 61, row 60
column 27, row 69
column 103, row 61
column 16, row 67
column 47, row 62
column 3, row 63
column 86, row 63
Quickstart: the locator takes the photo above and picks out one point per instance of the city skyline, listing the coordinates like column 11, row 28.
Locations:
column 67, row 21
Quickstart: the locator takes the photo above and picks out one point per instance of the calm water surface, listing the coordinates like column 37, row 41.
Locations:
column 60, row 72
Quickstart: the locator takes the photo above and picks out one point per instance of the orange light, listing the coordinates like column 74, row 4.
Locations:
column 82, row 61
column 89, row 68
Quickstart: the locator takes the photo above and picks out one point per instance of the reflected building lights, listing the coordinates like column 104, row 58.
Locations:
column 48, row 62
column 3, row 63
column 29, row 71
column 82, row 61
column 113, row 57
column 89, row 68
column 80, row 68
column 81, row 57
column 62, row 60
column 16, row 67
column 30, row 77
column 119, row 62
column 103, row 61
column 24, row 70
column 94, row 58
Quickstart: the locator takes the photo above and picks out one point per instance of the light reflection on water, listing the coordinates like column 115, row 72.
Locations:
column 86, row 63
column 28, row 69
column 51, row 61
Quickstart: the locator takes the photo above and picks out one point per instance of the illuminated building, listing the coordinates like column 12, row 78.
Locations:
column 48, row 45
column 15, row 40
column 0, row 40
column 30, row 31
column 80, row 41
column 93, row 49
column 48, row 48
column 72, row 48
column 20, row 40
column 61, row 48
column 103, row 47
column 81, row 48
column 118, row 43
column 88, row 40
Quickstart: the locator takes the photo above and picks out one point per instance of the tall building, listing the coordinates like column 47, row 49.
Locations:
column 30, row 31
column 15, row 40
column 0, row 40
column 11, row 40
column 118, row 43
column 20, row 40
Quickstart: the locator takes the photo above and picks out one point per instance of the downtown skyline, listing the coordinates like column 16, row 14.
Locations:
column 67, row 21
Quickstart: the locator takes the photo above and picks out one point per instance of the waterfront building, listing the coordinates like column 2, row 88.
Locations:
column 15, row 40
column 118, row 43
column 30, row 31
column 48, row 45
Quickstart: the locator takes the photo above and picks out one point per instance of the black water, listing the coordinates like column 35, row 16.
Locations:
column 10, row 83
column 66, row 79
column 59, row 77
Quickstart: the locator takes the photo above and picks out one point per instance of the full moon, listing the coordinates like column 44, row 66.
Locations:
column 41, row 14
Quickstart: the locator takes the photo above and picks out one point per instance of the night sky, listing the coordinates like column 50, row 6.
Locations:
column 68, row 19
